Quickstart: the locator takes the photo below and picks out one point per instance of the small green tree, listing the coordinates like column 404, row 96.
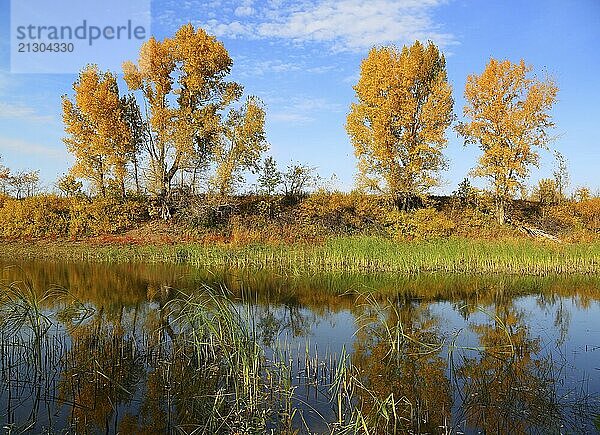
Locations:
column 465, row 193
column 297, row 179
column 561, row 174
column 269, row 177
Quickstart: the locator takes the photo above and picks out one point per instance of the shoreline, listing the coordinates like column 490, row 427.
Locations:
column 363, row 254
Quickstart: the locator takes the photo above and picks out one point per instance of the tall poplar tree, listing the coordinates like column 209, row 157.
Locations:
column 97, row 134
column 508, row 118
column 398, row 125
column 183, row 82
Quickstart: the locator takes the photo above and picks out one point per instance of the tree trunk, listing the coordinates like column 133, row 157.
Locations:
column 102, row 186
column 164, row 205
column 135, row 171
column 122, row 183
column 194, row 181
column 501, row 211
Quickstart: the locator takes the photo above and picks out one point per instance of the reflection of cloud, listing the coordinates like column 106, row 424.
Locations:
column 18, row 111
column 24, row 147
column 345, row 25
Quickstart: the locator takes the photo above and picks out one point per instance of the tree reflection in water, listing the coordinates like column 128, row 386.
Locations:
column 142, row 362
column 397, row 351
column 505, row 384
column 510, row 385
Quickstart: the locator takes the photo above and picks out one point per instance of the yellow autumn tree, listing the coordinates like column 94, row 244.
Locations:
column 241, row 146
column 97, row 134
column 398, row 126
column 182, row 80
column 547, row 192
column 508, row 117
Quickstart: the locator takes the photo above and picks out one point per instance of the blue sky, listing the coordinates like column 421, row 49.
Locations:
column 302, row 58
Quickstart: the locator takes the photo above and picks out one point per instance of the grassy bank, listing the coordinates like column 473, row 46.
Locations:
column 347, row 254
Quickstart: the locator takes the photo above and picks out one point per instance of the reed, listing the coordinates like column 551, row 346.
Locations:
column 350, row 254
column 211, row 374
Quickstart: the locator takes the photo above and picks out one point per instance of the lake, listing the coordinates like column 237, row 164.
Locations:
column 158, row 348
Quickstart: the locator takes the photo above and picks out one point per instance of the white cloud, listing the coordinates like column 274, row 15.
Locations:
column 247, row 66
column 244, row 11
column 290, row 118
column 300, row 110
column 6, row 81
column 233, row 30
column 19, row 111
column 24, row 147
column 315, row 105
column 252, row 67
column 345, row 25
column 321, row 69
column 351, row 79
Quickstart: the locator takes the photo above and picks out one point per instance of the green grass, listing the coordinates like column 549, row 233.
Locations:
column 346, row 254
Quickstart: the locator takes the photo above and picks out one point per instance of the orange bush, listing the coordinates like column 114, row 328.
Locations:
column 343, row 212
column 425, row 223
column 53, row 216
column 38, row 216
column 588, row 212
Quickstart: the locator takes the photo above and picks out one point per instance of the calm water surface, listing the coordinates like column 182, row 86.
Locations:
column 474, row 354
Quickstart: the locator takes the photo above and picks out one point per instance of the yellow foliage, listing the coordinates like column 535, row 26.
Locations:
column 579, row 221
column 508, row 117
column 547, row 192
column 33, row 217
column 589, row 213
column 105, row 216
column 182, row 80
column 343, row 212
column 242, row 145
column 398, row 125
column 425, row 223
column 97, row 134
column 47, row 216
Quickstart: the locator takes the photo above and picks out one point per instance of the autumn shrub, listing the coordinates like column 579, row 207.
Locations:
column 207, row 211
column 36, row 216
column 46, row 216
column 473, row 222
column 589, row 214
column 422, row 224
column 105, row 215
column 578, row 220
column 261, row 230
column 3, row 198
column 343, row 213
column 269, row 207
